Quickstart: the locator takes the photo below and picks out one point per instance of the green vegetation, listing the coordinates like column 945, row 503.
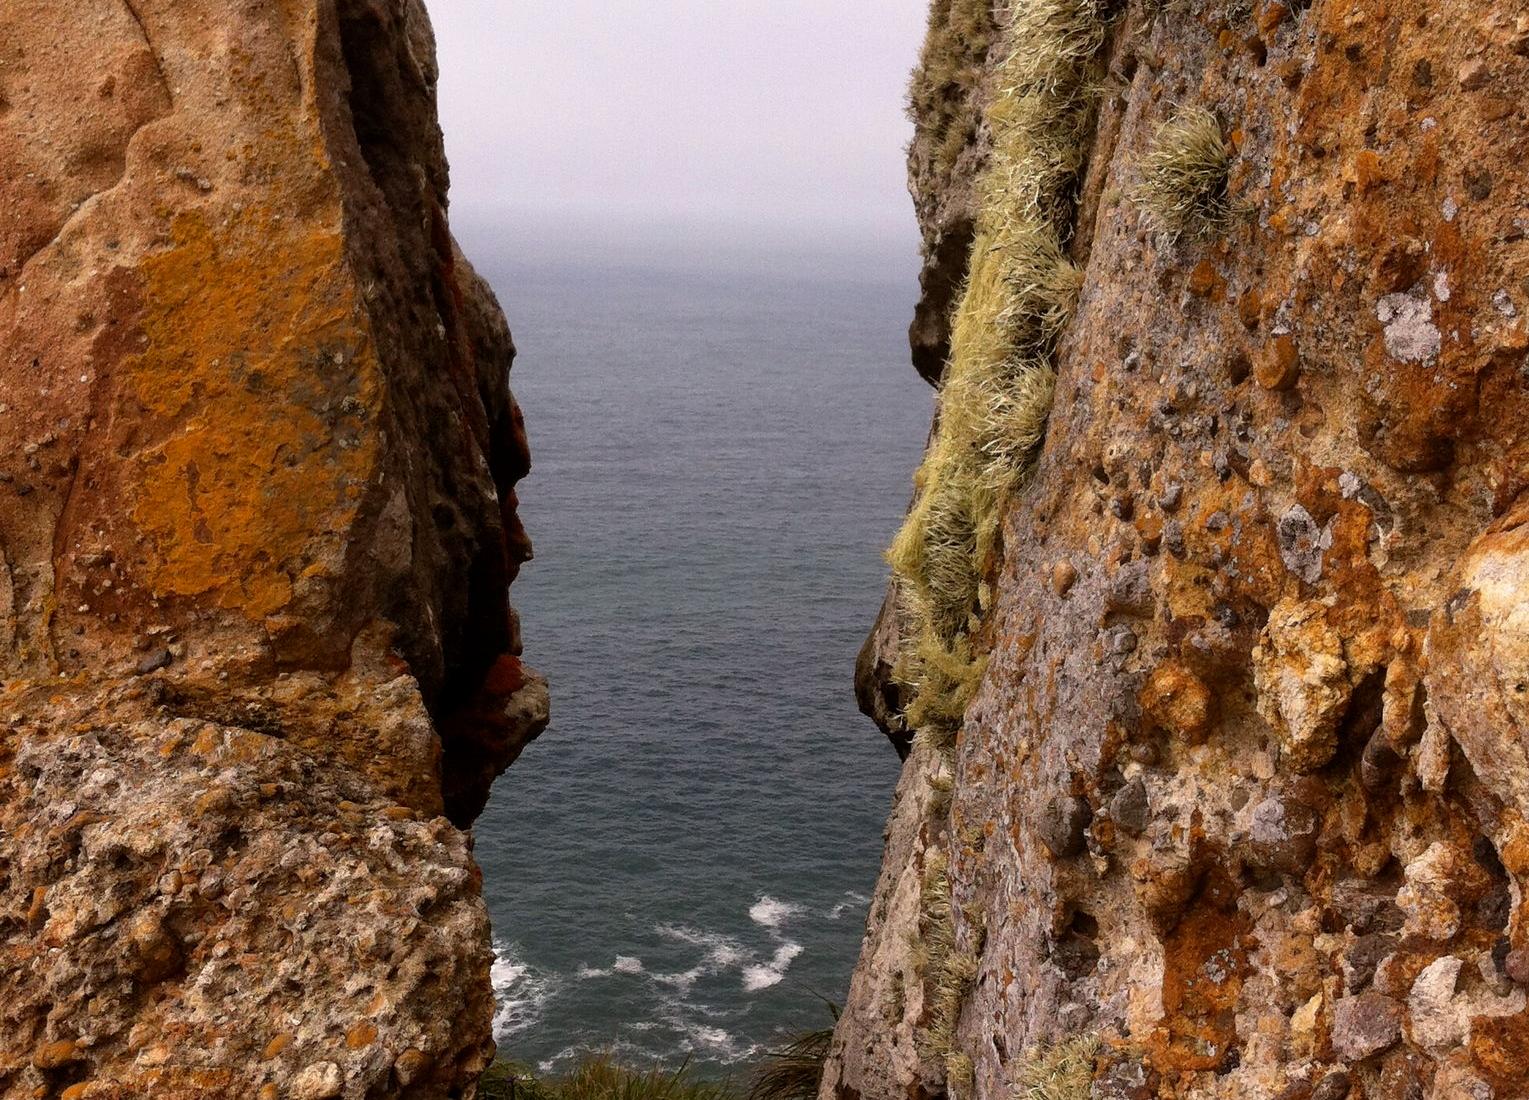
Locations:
column 998, row 385
column 599, row 1079
column 795, row 1070
column 1064, row 1072
column 792, row 1071
column 1184, row 176
column 942, row 95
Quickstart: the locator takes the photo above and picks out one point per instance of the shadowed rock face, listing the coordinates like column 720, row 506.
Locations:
column 1246, row 797
column 257, row 526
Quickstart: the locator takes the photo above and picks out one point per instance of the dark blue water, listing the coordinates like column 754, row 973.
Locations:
column 680, row 866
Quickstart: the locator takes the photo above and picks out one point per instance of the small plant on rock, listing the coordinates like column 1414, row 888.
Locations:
column 1062, row 1072
column 1184, row 177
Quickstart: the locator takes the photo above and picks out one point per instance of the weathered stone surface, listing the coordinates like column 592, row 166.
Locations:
column 257, row 525
column 1317, row 416
column 1365, row 1025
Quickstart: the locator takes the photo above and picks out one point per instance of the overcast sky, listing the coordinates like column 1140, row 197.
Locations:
column 780, row 115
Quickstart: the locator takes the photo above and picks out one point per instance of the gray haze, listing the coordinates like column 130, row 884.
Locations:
column 773, row 120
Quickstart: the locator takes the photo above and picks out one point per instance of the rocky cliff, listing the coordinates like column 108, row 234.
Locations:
column 1211, row 615
column 257, row 525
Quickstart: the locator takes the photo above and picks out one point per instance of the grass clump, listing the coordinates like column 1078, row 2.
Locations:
column 942, row 94
column 795, row 1070
column 947, row 971
column 1063, row 1072
column 997, row 388
column 598, row 1078
column 1184, row 176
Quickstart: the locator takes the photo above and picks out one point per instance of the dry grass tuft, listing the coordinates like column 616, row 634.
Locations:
column 997, row 391
column 960, row 1073
column 947, row 972
column 942, row 94
column 1184, row 176
column 1064, row 1072
column 793, row 1071
column 598, row 1078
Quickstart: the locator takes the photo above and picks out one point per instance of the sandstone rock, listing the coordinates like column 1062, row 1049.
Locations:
column 1438, row 1022
column 257, row 526
column 879, row 694
column 1437, row 881
column 1333, row 1086
column 1478, row 651
column 1303, row 682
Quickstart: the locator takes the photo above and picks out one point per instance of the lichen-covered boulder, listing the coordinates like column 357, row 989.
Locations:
column 257, row 525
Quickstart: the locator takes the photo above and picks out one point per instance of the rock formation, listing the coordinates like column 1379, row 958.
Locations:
column 257, row 525
column 1221, row 782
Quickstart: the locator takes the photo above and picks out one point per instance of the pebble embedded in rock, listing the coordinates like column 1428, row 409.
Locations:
column 1365, row 1025
column 1282, row 836
column 1516, row 965
column 1064, row 825
column 1063, row 577
column 320, row 1081
column 154, row 661
column 1129, row 809
column 1473, row 74
column 1179, row 702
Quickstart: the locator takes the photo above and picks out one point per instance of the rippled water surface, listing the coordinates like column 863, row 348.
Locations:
column 681, row 864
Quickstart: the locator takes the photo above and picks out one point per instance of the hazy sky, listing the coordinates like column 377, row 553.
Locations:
column 779, row 115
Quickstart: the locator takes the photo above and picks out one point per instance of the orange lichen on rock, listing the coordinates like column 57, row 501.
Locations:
column 253, row 402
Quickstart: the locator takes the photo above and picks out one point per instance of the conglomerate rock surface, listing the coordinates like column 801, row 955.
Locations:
column 257, row 524
column 1244, row 792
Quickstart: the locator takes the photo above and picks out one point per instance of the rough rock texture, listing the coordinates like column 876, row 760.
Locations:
column 257, row 525
column 1247, row 796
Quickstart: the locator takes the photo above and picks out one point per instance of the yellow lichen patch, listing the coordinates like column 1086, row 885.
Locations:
column 254, row 384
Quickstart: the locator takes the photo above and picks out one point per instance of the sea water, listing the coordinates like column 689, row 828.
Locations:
column 680, row 867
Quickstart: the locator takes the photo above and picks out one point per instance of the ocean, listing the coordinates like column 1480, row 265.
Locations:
column 680, row 867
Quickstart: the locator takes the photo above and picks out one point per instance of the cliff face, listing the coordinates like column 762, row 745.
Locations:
column 1233, row 795
column 257, row 524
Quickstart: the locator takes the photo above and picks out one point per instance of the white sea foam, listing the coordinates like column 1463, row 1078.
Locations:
column 771, row 913
column 520, row 993
column 764, row 975
column 715, row 1042
column 627, row 964
column 722, row 953
column 585, row 972
column 851, row 900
